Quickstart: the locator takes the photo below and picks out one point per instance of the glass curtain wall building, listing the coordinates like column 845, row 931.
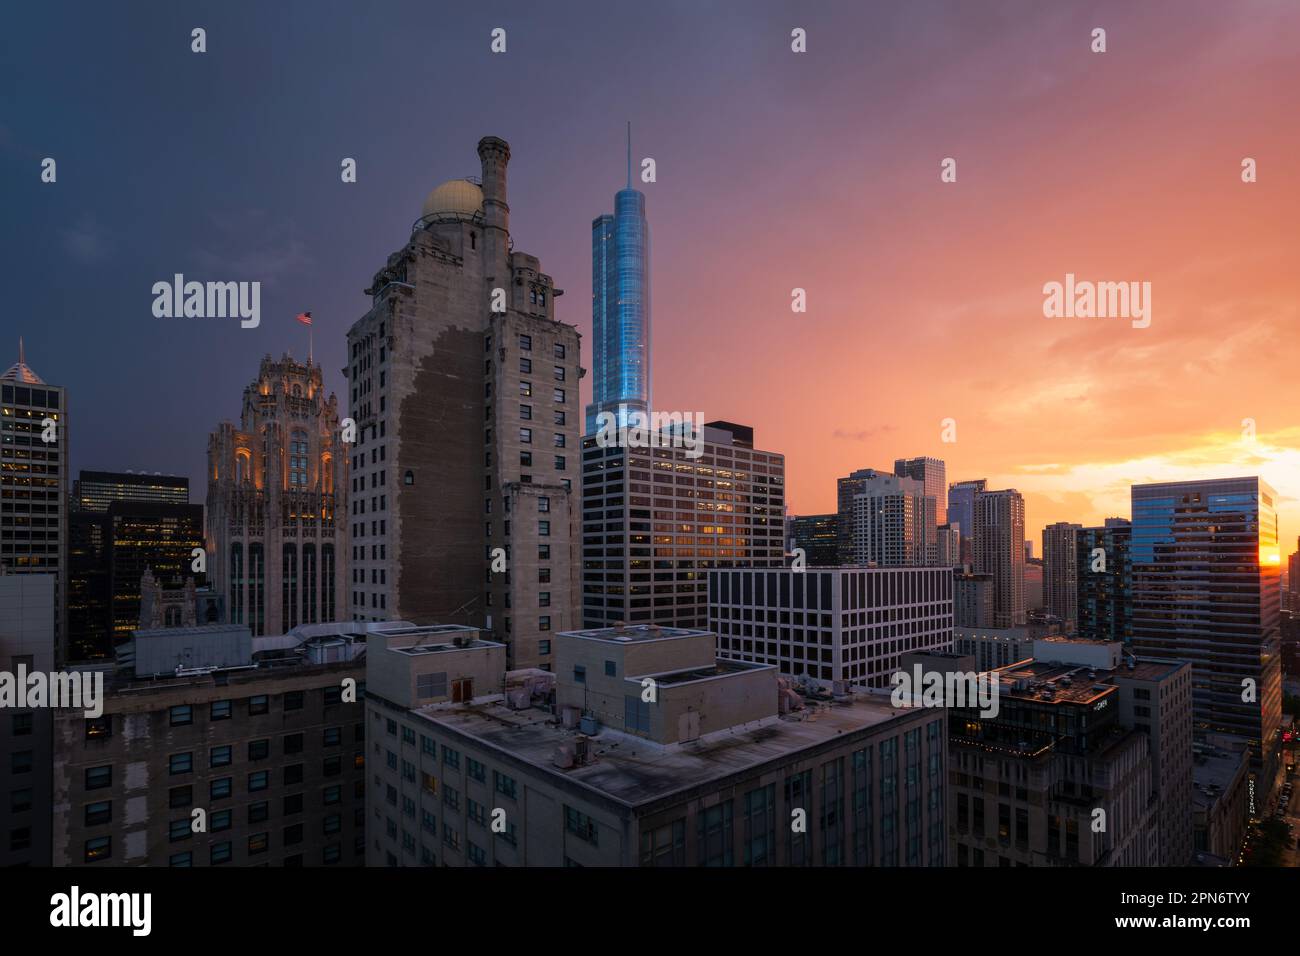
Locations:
column 1206, row 589
column 620, row 309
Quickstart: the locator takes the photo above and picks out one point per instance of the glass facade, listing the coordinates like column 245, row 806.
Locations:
column 620, row 304
column 1206, row 589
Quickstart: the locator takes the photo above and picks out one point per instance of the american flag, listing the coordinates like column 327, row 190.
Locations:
column 304, row 318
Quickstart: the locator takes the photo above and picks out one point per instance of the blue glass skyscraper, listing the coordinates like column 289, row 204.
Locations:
column 620, row 308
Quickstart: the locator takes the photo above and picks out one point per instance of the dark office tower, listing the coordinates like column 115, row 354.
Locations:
column 620, row 307
column 933, row 477
column 149, row 536
column 1293, row 578
column 34, row 483
column 961, row 510
column 1060, row 573
column 818, row 536
column 657, row 520
column 90, row 595
column 278, row 503
column 1105, row 582
column 464, row 387
column 999, row 549
column 96, row 490
column 1206, row 567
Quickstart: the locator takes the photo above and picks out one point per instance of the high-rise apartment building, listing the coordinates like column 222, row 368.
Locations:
column 34, row 483
column 845, row 626
column 948, row 545
column 1105, row 573
column 889, row 520
column 656, row 520
column 620, row 308
column 1206, row 564
column 278, row 503
column 1061, row 573
column 972, row 598
column 464, row 389
column 961, row 510
column 95, row 490
column 932, row 474
column 998, row 542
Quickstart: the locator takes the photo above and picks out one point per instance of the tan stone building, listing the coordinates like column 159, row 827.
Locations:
column 464, row 388
column 655, row 753
column 277, row 503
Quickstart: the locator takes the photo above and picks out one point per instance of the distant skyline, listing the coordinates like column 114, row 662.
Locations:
column 775, row 171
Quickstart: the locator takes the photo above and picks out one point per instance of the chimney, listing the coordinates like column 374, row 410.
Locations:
column 494, row 154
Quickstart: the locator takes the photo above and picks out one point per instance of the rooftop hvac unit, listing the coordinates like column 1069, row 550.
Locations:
column 563, row 757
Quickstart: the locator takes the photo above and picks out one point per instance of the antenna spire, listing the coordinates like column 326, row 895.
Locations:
column 22, row 356
column 629, row 154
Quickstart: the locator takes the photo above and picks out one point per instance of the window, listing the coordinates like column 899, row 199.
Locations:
column 558, row 396
column 543, row 648
column 100, row 848
column 559, row 463
column 181, row 859
column 179, row 830
column 258, row 781
column 293, row 700
column 544, row 528
column 99, row 812
column 220, row 710
column 559, row 418
column 475, row 769
column 293, row 744
column 581, row 826
column 559, row 350
column 180, row 797
column 221, row 820
column 611, row 669
column 526, row 366
column 293, row 774
column 543, row 504
column 525, row 389
column 257, row 812
column 220, row 757
column 98, row 727
column 431, row 685
column 180, row 763
column 182, row 715
column 559, row 373
column 525, row 459
column 220, row 853
column 543, row 623
column 526, row 412
column 579, row 674
column 259, row 749
column 526, row 342
column 526, row 435
column 258, row 843
column 220, row 788
column 258, row 705
column 506, row 786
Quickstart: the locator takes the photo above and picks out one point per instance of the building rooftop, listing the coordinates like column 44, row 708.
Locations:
column 636, row 632
column 20, row 372
column 632, row 770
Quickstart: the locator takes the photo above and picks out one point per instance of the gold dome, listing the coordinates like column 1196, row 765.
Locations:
column 455, row 198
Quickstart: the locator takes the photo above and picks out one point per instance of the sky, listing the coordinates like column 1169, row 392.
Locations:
column 775, row 170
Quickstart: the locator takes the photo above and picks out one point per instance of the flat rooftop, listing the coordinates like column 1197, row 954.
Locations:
column 636, row 632
column 634, row 771
column 722, row 668
column 1075, row 683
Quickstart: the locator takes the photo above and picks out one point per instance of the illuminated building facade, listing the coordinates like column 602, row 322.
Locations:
column 277, row 503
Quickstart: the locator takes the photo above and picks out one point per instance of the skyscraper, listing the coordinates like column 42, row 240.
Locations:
column 1206, row 568
column 891, row 521
column 1104, row 602
column 1060, row 573
column 464, row 388
column 932, row 475
column 620, row 307
column 34, row 483
column 999, row 549
column 277, row 503
column 961, row 510
column 96, row 490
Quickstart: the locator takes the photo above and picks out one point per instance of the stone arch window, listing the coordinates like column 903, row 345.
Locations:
column 173, row 617
column 326, row 474
column 243, row 466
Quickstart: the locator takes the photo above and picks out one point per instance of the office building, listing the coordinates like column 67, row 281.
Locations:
column 254, row 731
column 837, row 627
column 1061, row 573
column 961, row 511
column 972, row 598
column 1221, row 799
column 96, row 490
column 1205, row 590
column 1105, row 574
column 27, row 615
column 464, row 388
column 278, row 503
column 707, row 773
column 818, row 537
column 1028, row 782
column 932, row 474
column 34, row 454
column 657, row 520
column 620, row 309
column 948, row 545
column 998, row 543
